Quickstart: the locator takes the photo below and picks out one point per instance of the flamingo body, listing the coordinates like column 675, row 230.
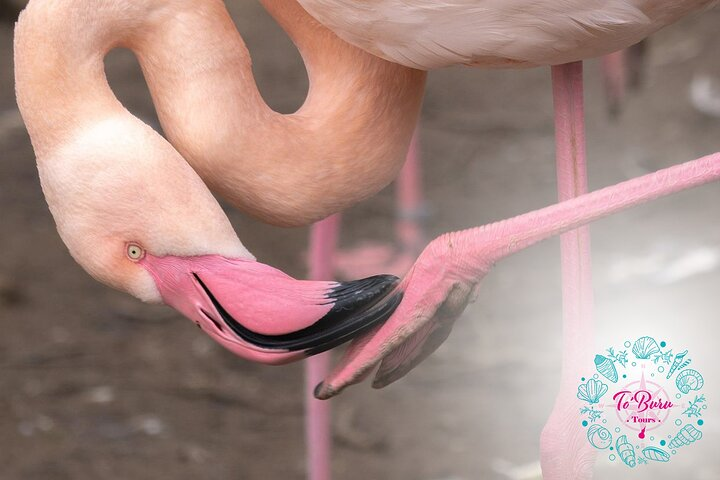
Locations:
column 426, row 34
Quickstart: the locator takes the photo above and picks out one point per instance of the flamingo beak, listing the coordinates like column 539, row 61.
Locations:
column 264, row 315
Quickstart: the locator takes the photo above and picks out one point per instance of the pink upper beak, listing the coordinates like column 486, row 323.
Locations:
column 264, row 315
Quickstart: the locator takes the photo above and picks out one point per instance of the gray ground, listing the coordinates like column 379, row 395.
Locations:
column 94, row 384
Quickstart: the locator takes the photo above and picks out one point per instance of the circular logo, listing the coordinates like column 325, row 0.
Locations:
column 643, row 402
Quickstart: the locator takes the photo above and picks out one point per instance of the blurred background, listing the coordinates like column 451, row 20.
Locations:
column 94, row 384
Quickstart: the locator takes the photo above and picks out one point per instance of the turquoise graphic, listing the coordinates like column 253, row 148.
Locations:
column 678, row 363
column 665, row 357
column 592, row 414
column 606, row 368
column 592, row 391
column 656, row 454
column 694, row 409
column 653, row 402
column 644, row 347
column 687, row 435
column 626, row 451
column 689, row 380
column 599, row 437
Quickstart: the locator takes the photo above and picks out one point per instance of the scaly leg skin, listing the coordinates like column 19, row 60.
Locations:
column 444, row 278
column 323, row 239
column 394, row 259
column 564, row 451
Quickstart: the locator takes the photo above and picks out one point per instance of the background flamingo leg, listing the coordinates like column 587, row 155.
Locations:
column 411, row 208
column 614, row 75
column 623, row 73
column 371, row 258
column 564, row 452
column 318, row 436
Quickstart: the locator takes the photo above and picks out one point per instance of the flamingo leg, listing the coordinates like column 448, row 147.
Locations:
column 318, row 439
column 622, row 73
column 370, row 258
column 564, row 453
column 614, row 75
column 410, row 204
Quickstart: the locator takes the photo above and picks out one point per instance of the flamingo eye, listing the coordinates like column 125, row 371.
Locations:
column 135, row 251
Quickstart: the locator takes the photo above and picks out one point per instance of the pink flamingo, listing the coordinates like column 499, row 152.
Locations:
column 118, row 190
column 101, row 168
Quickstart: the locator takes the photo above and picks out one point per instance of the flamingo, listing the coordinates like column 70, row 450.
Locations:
column 131, row 232
column 121, row 195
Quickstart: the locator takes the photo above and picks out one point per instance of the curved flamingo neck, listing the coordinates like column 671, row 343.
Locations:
column 60, row 75
column 108, row 178
column 345, row 143
column 60, row 80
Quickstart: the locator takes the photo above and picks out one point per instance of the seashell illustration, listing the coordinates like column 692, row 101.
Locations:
column 688, row 380
column 606, row 368
column 644, row 347
column 654, row 453
column 678, row 363
column 599, row 437
column 687, row 435
column 591, row 391
column 626, row 451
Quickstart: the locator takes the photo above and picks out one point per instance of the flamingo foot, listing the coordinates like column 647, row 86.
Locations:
column 445, row 278
column 435, row 292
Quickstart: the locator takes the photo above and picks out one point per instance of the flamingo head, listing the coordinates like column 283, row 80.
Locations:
column 265, row 315
column 135, row 216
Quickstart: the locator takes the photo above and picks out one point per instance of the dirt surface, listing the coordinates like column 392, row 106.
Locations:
column 94, row 384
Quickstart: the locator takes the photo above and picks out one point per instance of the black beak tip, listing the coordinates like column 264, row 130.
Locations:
column 361, row 294
column 357, row 307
